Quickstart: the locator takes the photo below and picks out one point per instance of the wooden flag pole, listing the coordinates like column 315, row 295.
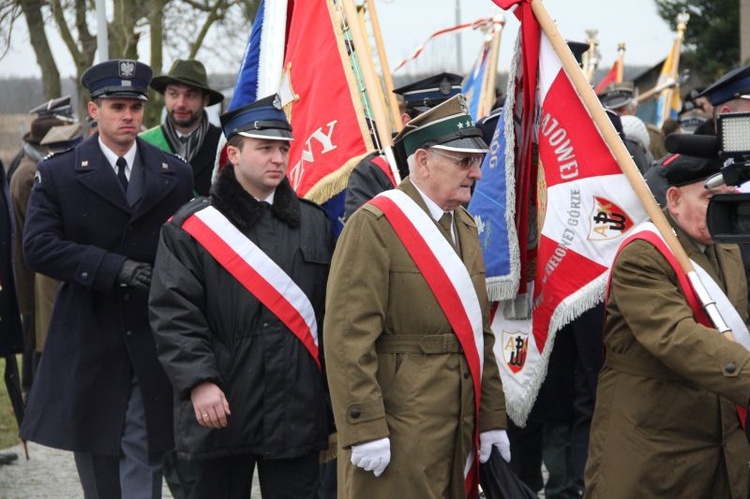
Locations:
column 592, row 54
column 620, row 61
column 682, row 20
column 624, row 160
column 387, row 77
column 371, row 85
column 487, row 98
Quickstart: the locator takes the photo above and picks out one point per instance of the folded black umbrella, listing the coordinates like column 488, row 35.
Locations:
column 13, row 384
column 500, row 482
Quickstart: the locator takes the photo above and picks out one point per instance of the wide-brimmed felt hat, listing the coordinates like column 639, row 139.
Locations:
column 39, row 128
column 187, row 72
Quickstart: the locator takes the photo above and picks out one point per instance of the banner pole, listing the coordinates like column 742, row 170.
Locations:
column 624, row 160
column 371, row 84
column 387, row 76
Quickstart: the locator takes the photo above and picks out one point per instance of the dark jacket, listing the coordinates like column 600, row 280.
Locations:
column 11, row 339
column 208, row 327
column 202, row 163
column 79, row 230
column 366, row 181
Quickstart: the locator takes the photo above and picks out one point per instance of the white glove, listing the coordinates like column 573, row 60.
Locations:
column 373, row 456
column 497, row 438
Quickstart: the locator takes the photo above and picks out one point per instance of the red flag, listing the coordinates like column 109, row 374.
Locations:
column 585, row 208
column 330, row 134
column 610, row 77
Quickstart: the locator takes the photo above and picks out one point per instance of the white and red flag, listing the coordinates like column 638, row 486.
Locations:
column 581, row 204
column 614, row 75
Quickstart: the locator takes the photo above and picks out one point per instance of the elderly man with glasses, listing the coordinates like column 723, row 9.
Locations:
column 415, row 388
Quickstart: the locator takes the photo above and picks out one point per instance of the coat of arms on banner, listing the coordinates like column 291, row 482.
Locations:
column 515, row 349
column 609, row 221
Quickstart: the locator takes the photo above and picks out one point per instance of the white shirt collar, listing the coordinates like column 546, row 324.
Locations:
column 112, row 157
column 435, row 211
column 269, row 199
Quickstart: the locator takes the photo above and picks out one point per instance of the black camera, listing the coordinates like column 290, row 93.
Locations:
column 728, row 216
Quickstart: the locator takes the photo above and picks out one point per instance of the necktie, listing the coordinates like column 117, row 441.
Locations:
column 121, row 165
column 445, row 223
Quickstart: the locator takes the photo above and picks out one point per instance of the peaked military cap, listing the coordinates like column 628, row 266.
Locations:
column 187, row 72
column 447, row 126
column 431, row 91
column 118, row 78
column 733, row 85
column 616, row 95
column 262, row 119
column 681, row 169
column 59, row 107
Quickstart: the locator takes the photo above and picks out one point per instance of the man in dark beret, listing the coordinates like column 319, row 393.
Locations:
column 665, row 423
column 92, row 222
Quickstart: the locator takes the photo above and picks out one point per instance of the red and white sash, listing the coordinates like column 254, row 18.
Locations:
column 450, row 283
column 255, row 270
column 647, row 231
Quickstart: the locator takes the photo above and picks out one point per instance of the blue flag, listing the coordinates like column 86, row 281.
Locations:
column 493, row 208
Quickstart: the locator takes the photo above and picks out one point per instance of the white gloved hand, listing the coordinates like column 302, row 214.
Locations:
column 373, row 456
column 496, row 438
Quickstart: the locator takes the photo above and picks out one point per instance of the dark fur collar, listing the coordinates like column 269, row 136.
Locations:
column 244, row 210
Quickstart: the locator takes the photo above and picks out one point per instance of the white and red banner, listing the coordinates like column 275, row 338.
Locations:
column 584, row 208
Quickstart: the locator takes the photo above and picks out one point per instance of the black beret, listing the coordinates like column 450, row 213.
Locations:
column 681, row 169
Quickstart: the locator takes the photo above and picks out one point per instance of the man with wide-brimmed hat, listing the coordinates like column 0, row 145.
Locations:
column 409, row 350
column 186, row 130
column 92, row 222
column 36, row 292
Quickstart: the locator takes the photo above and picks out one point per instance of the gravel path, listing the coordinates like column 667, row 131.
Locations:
column 50, row 474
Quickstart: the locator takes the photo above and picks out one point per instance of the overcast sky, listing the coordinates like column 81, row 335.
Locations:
column 407, row 23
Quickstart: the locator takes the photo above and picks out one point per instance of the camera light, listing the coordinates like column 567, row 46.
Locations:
column 734, row 130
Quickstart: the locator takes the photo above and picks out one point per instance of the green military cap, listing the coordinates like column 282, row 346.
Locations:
column 447, row 126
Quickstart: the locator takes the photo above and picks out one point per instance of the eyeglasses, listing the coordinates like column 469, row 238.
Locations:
column 465, row 162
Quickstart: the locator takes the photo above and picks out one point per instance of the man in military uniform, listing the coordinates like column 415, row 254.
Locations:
column 665, row 423
column 373, row 174
column 410, row 364
column 59, row 109
column 36, row 292
column 186, row 130
column 92, row 223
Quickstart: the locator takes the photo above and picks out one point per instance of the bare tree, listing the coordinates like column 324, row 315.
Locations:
column 178, row 27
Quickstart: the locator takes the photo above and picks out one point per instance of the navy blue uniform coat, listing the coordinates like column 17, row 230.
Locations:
column 79, row 230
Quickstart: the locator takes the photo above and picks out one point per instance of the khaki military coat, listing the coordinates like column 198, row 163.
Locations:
column 36, row 292
column 420, row 397
column 665, row 423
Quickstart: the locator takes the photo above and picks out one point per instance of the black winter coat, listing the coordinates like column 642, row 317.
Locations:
column 11, row 337
column 208, row 327
column 79, row 230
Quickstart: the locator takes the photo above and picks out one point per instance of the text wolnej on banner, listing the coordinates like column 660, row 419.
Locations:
column 584, row 207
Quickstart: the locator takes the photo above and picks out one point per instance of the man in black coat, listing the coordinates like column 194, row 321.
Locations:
column 186, row 130
column 236, row 307
column 92, row 222
column 11, row 337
